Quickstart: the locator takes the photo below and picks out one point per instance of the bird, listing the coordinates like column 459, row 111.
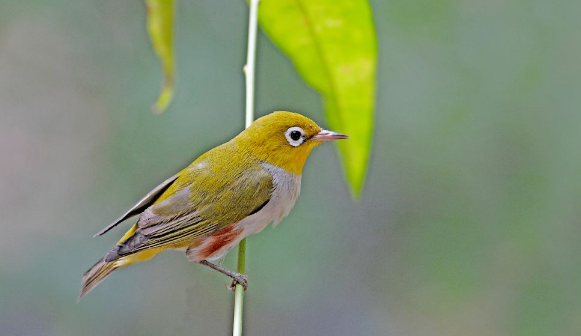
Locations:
column 228, row 193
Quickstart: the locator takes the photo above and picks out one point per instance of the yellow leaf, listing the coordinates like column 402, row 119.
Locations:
column 160, row 29
column 332, row 44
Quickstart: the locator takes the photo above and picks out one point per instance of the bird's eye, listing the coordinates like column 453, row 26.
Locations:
column 295, row 136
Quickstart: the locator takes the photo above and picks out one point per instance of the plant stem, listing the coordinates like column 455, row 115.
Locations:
column 251, row 61
column 239, row 291
column 249, row 74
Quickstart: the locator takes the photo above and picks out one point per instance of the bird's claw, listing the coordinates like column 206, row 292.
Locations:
column 239, row 279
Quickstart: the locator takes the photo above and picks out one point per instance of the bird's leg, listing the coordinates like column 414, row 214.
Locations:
column 237, row 278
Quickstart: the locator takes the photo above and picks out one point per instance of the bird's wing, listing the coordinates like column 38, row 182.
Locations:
column 208, row 203
column 146, row 201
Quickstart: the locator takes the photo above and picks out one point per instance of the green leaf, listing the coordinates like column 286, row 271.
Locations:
column 333, row 46
column 160, row 29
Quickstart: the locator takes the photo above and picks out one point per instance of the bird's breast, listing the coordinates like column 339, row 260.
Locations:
column 286, row 190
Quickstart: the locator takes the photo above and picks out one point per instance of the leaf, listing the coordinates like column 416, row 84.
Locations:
column 332, row 44
column 160, row 28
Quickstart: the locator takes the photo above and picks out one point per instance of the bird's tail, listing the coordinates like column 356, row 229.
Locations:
column 113, row 261
column 95, row 275
column 103, row 268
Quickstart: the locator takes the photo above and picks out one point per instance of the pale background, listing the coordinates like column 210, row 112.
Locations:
column 470, row 219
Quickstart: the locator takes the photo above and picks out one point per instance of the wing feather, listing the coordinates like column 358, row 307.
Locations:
column 207, row 203
column 145, row 202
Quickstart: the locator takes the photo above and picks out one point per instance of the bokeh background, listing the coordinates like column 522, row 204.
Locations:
column 470, row 219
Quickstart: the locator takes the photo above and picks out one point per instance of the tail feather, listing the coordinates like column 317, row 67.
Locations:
column 103, row 268
column 95, row 275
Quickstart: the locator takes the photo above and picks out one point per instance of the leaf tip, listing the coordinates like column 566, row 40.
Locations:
column 356, row 187
column 165, row 98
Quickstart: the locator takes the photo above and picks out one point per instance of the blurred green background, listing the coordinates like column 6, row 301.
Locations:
column 469, row 222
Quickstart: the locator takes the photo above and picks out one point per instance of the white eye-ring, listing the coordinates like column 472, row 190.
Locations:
column 295, row 136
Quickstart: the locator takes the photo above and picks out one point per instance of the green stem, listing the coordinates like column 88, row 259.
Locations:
column 249, row 74
column 239, row 291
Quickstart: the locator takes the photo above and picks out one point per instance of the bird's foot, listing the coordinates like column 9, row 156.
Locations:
column 238, row 279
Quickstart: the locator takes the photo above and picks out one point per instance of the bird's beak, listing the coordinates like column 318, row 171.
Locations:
column 325, row 135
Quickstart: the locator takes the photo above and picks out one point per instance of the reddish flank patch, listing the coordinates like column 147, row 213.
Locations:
column 221, row 239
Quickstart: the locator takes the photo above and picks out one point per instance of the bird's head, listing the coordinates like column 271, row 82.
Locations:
column 284, row 139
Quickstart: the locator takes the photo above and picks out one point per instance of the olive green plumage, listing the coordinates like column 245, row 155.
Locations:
column 201, row 200
column 228, row 193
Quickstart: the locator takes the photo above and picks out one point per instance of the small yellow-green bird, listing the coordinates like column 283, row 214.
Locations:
column 228, row 193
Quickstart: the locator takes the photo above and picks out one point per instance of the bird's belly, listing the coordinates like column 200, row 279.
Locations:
column 286, row 191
